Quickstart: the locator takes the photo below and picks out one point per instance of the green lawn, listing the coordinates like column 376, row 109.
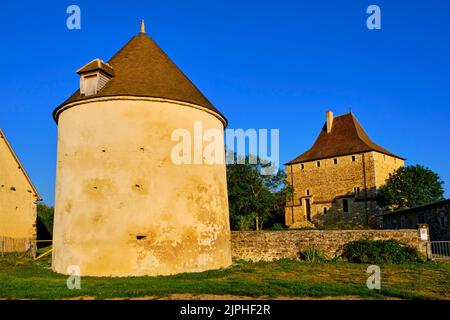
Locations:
column 23, row 278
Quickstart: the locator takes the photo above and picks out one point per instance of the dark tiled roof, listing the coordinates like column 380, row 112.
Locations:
column 142, row 69
column 419, row 208
column 346, row 137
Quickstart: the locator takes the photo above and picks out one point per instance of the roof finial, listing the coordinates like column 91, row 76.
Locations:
column 142, row 26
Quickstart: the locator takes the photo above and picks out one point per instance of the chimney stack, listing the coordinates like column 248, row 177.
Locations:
column 329, row 121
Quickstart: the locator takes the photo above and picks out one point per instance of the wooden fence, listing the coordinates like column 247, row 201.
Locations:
column 17, row 246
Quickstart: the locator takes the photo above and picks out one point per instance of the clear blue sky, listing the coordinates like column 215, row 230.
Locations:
column 264, row 64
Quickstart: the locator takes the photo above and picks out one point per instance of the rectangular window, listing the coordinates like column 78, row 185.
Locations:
column 303, row 166
column 324, row 210
column 345, row 205
column 307, row 192
column 90, row 85
column 335, row 161
column 353, row 158
column 318, row 164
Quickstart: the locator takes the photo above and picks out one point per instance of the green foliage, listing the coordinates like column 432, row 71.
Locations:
column 379, row 252
column 246, row 223
column 255, row 200
column 312, row 255
column 278, row 226
column 410, row 187
column 45, row 215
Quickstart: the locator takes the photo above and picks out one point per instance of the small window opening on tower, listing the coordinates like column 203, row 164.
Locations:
column 13, row 189
column 94, row 76
column 335, row 161
column 307, row 192
column 303, row 166
column 141, row 237
column 324, row 210
column 353, row 158
column 318, row 164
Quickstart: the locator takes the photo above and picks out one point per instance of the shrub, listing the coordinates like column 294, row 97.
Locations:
column 379, row 251
column 312, row 255
column 45, row 216
column 246, row 223
column 278, row 226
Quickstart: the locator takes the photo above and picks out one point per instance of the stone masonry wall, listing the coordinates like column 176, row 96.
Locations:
column 275, row 245
column 335, row 179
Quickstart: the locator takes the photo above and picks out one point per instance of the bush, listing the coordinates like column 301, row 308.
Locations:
column 312, row 255
column 379, row 251
column 246, row 223
column 278, row 226
column 45, row 215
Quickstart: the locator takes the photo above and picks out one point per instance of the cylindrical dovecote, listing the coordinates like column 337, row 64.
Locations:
column 123, row 207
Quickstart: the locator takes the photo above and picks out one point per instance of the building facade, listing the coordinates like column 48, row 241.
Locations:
column 123, row 207
column 335, row 182
column 436, row 215
column 18, row 196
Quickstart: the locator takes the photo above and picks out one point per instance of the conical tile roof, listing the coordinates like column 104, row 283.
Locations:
column 142, row 69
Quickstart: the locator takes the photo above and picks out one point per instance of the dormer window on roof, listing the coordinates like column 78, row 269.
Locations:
column 94, row 76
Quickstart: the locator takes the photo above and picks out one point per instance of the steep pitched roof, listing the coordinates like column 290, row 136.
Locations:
column 142, row 69
column 347, row 137
column 19, row 164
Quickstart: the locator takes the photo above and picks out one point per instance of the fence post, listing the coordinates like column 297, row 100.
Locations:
column 424, row 237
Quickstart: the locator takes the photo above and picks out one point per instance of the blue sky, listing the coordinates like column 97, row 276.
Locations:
column 264, row 64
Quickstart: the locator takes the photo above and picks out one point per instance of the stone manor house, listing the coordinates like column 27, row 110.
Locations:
column 335, row 182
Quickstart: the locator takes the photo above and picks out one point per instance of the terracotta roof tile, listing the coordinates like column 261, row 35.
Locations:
column 142, row 69
column 347, row 137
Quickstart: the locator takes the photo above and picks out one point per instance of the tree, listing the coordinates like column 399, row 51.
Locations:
column 45, row 216
column 409, row 187
column 254, row 199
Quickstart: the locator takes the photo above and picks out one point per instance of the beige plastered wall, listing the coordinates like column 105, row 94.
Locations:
column 122, row 207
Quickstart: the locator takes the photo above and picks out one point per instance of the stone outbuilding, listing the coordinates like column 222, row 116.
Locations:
column 18, row 196
column 335, row 182
column 122, row 206
column 436, row 215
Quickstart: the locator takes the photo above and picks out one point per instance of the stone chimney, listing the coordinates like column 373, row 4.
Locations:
column 329, row 121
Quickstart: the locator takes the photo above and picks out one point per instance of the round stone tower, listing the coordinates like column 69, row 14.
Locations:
column 123, row 207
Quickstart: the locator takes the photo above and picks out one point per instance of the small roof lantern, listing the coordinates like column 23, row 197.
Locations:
column 94, row 76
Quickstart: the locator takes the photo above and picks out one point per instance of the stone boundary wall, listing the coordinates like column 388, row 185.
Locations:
column 275, row 245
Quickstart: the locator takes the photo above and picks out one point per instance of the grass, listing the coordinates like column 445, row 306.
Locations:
column 25, row 279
